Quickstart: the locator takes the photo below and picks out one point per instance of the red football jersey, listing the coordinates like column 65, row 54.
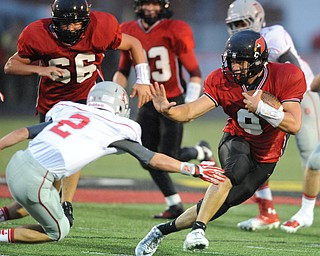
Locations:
column 285, row 81
column 163, row 43
column 81, row 62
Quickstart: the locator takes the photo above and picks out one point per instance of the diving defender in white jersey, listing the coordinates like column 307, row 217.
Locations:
column 73, row 136
column 249, row 15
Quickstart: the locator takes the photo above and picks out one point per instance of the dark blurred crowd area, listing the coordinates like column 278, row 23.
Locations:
column 21, row 91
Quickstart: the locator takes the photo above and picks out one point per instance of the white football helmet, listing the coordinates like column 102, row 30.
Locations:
column 245, row 15
column 109, row 96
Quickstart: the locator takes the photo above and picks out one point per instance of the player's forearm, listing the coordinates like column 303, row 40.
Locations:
column 138, row 53
column 163, row 162
column 179, row 113
column 291, row 123
column 14, row 138
column 190, row 111
column 120, row 79
column 130, row 43
column 15, row 67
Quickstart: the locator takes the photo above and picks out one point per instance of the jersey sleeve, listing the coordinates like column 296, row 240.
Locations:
column 106, row 29
column 34, row 130
column 184, row 47
column 31, row 40
column 295, row 77
column 209, row 89
column 54, row 111
column 135, row 149
column 183, row 37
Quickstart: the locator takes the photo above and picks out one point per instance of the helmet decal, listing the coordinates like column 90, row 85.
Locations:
column 259, row 47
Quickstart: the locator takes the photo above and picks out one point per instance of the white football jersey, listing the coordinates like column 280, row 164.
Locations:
column 78, row 135
column 279, row 42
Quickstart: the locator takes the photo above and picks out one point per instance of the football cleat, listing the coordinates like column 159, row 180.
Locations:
column 204, row 151
column 68, row 211
column 171, row 213
column 260, row 222
column 149, row 244
column 296, row 222
column 196, row 240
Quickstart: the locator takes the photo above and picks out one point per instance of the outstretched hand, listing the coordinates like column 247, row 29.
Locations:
column 159, row 98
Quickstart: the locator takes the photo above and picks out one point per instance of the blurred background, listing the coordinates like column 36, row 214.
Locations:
column 206, row 17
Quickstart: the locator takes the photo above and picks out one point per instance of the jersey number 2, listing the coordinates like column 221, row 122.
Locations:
column 57, row 128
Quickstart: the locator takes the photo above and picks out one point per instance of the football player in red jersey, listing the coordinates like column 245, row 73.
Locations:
column 254, row 138
column 70, row 48
column 169, row 45
column 250, row 15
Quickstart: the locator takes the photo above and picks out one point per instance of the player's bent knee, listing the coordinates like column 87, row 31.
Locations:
column 238, row 170
column 314, row 161
column 62, row 230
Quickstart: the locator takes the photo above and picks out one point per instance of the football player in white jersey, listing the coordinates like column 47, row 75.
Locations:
column 73, row 136
column 249, row 15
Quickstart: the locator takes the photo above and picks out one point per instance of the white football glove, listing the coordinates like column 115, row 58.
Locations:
column 208, row 171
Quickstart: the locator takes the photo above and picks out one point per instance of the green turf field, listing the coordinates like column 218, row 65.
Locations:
column 115, row 229
column 111, row 229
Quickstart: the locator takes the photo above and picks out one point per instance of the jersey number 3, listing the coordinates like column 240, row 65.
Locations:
column 162, row 63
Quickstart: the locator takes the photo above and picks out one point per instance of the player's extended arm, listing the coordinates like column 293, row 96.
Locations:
column 14, row 137
column 21, row 134
column 22, row 66
column 141, row 87
column 181, row 113
column 206, row 171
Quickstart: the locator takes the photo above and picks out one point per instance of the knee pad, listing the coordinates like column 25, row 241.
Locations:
column 314, row 161
column 61, row 232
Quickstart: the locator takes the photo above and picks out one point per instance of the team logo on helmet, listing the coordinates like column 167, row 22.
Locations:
column 259, row 47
